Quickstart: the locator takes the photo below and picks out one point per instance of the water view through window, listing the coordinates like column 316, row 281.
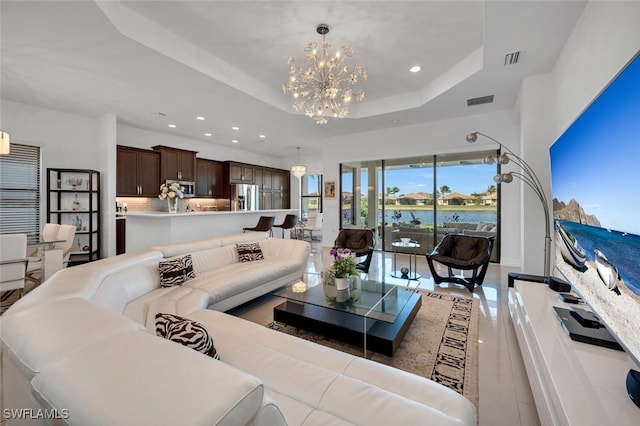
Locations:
column 422, row 198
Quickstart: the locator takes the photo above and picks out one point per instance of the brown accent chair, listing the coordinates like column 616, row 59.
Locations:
column 464, row 252
column 265, row 223
column 361, row 242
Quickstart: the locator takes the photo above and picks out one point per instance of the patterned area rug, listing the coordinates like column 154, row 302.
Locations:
column 8, row 298
column 441, row 344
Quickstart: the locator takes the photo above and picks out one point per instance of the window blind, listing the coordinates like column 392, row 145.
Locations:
column 20, row 191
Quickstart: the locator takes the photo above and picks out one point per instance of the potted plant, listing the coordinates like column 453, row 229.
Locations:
column 342, row 268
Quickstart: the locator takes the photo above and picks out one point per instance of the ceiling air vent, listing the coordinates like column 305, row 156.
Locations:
column 159, row 114
column 511, row 58
column 481, row 100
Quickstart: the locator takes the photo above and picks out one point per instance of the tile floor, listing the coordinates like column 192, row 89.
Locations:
column 504, row 394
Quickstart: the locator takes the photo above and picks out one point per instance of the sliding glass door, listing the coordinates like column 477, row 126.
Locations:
column 421, row 198
column 467, row 197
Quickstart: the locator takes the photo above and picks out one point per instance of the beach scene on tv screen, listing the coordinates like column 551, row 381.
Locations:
column 595, row 180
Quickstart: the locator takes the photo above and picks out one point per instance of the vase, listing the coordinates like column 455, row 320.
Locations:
column 341, row 283
column 173, row 204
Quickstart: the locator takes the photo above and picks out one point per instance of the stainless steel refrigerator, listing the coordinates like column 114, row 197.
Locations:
column 245, row 197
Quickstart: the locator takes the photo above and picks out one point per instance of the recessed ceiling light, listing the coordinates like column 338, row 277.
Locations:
column 415, row 68
column 207, row 134
column 235, row 128
column 261, row 136
column 172, row 125
column 199, row 117
column 235, row 141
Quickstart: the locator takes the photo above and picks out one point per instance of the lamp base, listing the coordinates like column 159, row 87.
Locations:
column 554, row 284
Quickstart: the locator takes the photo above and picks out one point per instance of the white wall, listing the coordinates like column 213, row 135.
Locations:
column 604, row 39
column 439, row 137
column 66, row 141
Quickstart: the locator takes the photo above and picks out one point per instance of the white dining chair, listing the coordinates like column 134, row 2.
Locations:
column 66, row 233
column 13, row 262
column 314, row 224
column 36, row 272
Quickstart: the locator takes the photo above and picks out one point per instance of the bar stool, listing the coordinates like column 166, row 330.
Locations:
column 264, row 224
column 289, row 222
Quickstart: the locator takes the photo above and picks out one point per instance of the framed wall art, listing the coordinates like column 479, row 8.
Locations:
column 330, row 189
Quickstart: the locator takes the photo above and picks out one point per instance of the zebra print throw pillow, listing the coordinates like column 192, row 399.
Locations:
column 175, row 271
column 189, row 333
column 249, row 252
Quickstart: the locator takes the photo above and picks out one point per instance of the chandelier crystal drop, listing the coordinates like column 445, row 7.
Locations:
column 326, row 84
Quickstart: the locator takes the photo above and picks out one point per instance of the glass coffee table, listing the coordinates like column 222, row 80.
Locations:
column 369, row 314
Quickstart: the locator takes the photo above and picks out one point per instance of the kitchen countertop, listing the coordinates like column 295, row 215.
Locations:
column 149, row 229
column 192, row 214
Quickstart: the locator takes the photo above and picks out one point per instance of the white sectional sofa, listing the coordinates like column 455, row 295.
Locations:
column 82, row 349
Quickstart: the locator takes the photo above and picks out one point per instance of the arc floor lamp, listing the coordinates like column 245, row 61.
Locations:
column 528, row 176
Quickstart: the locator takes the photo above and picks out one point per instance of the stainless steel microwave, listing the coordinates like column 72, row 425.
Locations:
column 189, row 190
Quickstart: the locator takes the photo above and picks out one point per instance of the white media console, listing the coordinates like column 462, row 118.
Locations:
column 573, row 383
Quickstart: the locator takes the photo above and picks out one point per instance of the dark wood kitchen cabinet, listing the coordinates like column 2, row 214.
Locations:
column 176, row 164
column 209, row 179
column 240, row 173
column 137, row 172
column 274, row 188
column 280, row 191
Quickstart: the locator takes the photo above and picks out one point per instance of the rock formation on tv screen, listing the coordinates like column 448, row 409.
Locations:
column 574, row 213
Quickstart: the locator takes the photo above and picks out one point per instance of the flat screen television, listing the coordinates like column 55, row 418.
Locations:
column 595, row 180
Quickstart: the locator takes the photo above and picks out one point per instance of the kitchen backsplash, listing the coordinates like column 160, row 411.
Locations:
column 135, row 204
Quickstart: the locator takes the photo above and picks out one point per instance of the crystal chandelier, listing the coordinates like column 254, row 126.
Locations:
column 298, row 170
column 325, row 86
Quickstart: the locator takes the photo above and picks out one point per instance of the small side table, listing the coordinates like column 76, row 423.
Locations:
column 413, row 260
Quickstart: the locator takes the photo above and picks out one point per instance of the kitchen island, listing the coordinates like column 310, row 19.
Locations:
column 149, row 229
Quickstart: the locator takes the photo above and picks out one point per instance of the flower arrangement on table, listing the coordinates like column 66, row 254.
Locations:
column 171, row 193
column 344, row 264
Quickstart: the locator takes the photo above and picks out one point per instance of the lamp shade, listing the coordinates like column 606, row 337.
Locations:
column 5, row 141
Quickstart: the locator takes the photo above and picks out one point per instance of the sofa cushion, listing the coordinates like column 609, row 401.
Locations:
column 83, row 281
column 268, row 414
column 177, row 249
column 313, row 384
column 249, row 252
column 123, row 287
column 37, row 338
column 176, row 270
column 245, row 237
column 237, row 278
column 178, row 300
column 140, row 379
column 188, row 333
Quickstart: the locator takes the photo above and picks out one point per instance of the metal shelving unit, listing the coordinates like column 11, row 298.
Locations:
column 73, row 198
